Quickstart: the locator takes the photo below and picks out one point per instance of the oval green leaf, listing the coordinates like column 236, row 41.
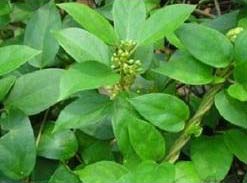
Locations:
column 17, row 147
column 122, row 115
column 129, row 17
column 147, row 142
column 211, row 158
column 103, row 171
column 208, row 45
column 240, row 74
column 88, row 112
column 64, row 175
column 38, row 34
column 231, row 109
column 238, row 91
column 82, row 45
column 240, row 47
column 186, row 69
column 236, row 142
column 172, row 17
column 10, row 61
column 36, row 91
column 149, row 171
column 85, row 76
column 91, row 20
column 164, row 111
column 5, row 85
column 186, row 173
column 57, row 145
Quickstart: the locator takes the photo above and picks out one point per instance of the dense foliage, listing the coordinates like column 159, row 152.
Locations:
column 123, row 91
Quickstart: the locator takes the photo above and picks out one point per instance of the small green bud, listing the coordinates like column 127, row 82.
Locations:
column 138, row 91
column 116, row 59
column 138, row 62
column 233, row 33
column 131, row 71
column 120, row 51
column 195, row 130
column 131, row 61
column 125, row 65
column 139, row 69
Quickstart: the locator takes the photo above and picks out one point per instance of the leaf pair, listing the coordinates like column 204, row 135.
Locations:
column 193, row 65
column 129, row 21
column 36, row 91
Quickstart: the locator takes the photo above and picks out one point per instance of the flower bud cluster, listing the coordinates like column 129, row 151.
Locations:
column 123, row 64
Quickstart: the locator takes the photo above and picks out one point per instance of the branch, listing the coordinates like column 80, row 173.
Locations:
column 195, row 121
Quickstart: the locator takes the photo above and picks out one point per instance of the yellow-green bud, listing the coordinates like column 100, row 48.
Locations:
column 233, row 33
column 131, row 61
column 138, row 62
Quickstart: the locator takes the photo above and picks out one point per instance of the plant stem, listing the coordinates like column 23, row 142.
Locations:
column 198, row 11
column 195, row 121
column 217, row 6
column 41, row 127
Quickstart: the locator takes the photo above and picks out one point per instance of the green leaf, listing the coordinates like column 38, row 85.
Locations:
column 186, row 173
column 84, row 112
column 208, row 45
column 211, row 158
column 59, row 145
column 172, row 17
column 239, row 47
column 5, row 179
column 129, row 17
column 123, row 111
column 234, row 140
column 240, row 74
column 149, row 171
column 35, row 4
column 98, row 151
column 5, row 85
column 186, row 69
column 101, row 172
column 4, row 20
column 11, row 61
column 145, row 54
column 17, row 147
column 164, row 111
column 43, row 170
column 38, row 34
column 91, row 21
column 106, row 10
column 238, row 91
column 82, row 45
column 231, row 109
column 5, row 7
column 173, row 39
column 64, row 175
column 20, row 13
column 223, row 23
column 151, row 4
column 36, row 91
column 147, row 142
column 85, row 76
